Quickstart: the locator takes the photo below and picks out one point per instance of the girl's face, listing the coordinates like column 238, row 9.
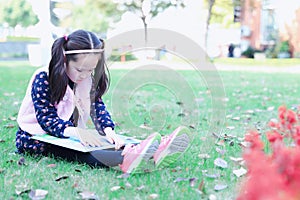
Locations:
column 83, row 67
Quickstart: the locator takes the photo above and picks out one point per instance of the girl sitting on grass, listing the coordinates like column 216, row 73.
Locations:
column 60, row 99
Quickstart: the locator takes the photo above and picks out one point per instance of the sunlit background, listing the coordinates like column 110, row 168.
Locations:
column 231, row 28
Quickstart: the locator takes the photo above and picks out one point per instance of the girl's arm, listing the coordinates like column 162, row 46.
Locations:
column 46, row 113
column 101, row 116
column 104, row 123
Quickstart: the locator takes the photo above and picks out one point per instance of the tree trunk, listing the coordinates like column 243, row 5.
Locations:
column 145, row 29
column 210, row 6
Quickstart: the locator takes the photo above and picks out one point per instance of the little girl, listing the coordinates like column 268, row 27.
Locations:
column 60, row 99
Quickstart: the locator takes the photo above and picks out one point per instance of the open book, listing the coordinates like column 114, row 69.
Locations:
column 74, row 143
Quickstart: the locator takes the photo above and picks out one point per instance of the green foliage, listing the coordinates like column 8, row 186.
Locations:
column 94, row 15
column 284, row 46
column 156, row 6
column 18, row 12
column 21, row 38
column 222, row 12
column 281, row 49
column 249, row 52
column 53, row 18
column 271, row 52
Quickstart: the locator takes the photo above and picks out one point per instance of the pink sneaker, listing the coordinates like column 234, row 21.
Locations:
column 172, row 146
column 136, row 157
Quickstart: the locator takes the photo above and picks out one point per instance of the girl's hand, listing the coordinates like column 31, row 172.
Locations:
column 113, row 138
column 86, row 138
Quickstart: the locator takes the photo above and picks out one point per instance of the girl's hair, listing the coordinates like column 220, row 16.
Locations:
column 78, row 40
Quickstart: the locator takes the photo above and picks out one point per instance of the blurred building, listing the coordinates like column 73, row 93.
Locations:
column 266, row 23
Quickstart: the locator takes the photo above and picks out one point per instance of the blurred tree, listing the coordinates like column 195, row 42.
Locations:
column 93, row 15
column 220, row 12
column 53, row 17
column 17, row 12
column 147, row 9
column 209, row 15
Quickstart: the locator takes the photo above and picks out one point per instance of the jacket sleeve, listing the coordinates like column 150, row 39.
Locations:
column 45, row 111
column 101, row 116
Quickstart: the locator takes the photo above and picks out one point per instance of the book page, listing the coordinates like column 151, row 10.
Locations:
column 74, row 143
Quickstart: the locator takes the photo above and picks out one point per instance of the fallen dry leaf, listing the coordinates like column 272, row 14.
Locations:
column 245, row 144
column 61, row 178
column 75, row 185
column 37, row 194
column 141, row 187
column 201, row 186
column 8, row 94
column 220, row 143
column 115, row 188
column 239, row 159
column 212, row 175
column 9, row 126
column 179, row 103
column 193, row 181
column 181, row 115
column 88, row 195
column 236, row 118
column 192, row 126
column 220, row 151
column 250, row 111
column 270, row 108
column 240, row 172
column 153, row 196
column 125, row 175
column 144, row 126
column 22, row 192
column 21, row 161
column 212, row 197
column 219, row 187
column 220, row 163
column 230, row 127
column 12, row 118
column 51, row 165
column 22, row 188
column 128, row 185
column 203, row 156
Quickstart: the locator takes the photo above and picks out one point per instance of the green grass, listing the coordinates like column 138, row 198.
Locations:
column 179, row 98
column 258, row 62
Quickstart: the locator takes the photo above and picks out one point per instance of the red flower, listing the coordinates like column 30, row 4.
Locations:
column 263, row 181
column 276, row 175
column 291, row 117
column 281, row 112
column 273, row 136
column 273, row 124
column 253, row 138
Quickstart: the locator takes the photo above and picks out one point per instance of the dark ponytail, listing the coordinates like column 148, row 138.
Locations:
column 58, row 79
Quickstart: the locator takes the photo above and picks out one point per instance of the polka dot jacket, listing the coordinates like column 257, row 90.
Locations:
column 48, row 119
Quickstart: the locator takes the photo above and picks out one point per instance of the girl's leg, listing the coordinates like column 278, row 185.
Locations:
column 100, row 158
column 24, row 142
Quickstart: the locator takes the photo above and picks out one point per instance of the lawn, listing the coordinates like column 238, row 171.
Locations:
column 258, row 62
column 142, row 102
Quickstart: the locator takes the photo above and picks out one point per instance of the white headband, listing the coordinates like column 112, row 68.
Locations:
column 84, row 51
